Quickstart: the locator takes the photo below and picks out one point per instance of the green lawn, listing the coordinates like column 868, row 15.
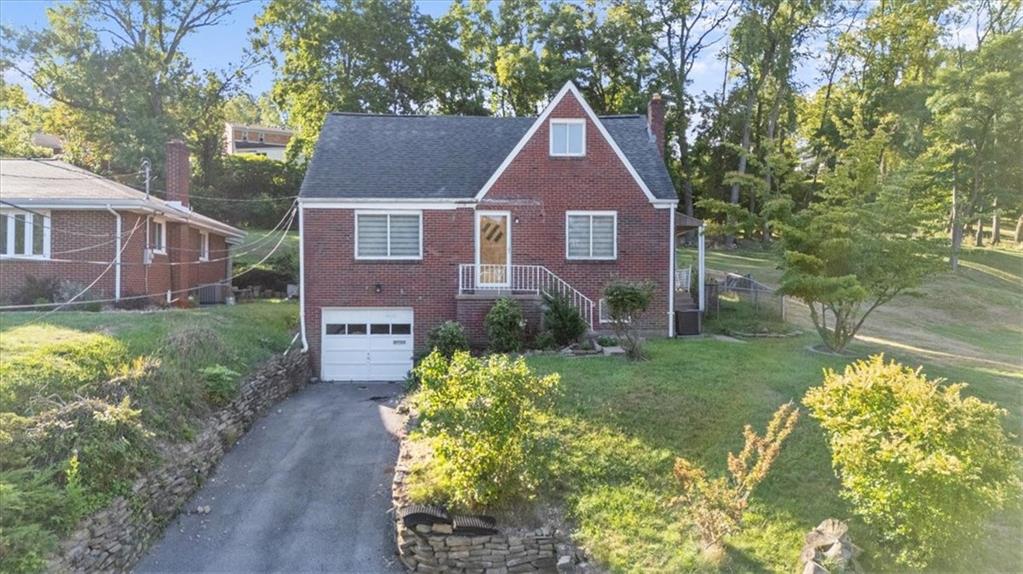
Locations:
column 111, row 387
column 257, row 245
column 622, row 424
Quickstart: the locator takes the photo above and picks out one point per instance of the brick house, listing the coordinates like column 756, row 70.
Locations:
column 410, row 221
column 58, row 220
column 240, row 139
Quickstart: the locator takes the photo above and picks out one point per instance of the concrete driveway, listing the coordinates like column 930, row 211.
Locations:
column 306, row 490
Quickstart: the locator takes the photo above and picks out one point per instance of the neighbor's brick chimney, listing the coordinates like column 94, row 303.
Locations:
column 178, row 171
column 655, row 120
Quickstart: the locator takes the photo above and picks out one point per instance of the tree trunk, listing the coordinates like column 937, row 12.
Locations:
column 955, row 222
column 996, row 226
column 746, row 135
column 1019, row 230
column 979, row 238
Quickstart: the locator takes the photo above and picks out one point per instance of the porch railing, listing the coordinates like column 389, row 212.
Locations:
column 521, row 279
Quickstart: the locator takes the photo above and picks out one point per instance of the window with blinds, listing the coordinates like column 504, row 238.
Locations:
column 591, row 235
column 388, row 236
column 568, row 137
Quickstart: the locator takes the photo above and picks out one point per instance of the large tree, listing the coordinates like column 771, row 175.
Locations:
column 120, row 82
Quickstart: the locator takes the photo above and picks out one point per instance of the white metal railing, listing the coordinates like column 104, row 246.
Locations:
column 683, row 278
column 522, row 279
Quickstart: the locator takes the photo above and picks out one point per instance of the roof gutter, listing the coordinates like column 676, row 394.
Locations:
column 117, row 255
column 152, row 206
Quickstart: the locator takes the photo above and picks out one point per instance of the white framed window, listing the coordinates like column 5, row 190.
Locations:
column 388, row 235
column 204, row 246
column 568, row 137
column 25, row 235
column 591, row 235
column 604, row 312
column 157, row 237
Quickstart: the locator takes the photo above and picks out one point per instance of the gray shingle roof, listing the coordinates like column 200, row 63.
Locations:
column 367, row 156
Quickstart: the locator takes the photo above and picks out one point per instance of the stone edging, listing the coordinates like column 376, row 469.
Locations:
column 442, row 548
column 116, row 537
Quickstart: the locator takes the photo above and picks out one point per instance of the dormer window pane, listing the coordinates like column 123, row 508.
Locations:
column 568, row 138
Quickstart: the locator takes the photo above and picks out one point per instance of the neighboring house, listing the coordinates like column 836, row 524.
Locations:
column 256, row 140
column 58, row 220
column 410, row 221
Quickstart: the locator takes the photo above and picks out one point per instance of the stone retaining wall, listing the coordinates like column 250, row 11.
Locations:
column 114, row 538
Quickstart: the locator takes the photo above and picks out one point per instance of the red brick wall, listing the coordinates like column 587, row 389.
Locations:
column 537, row 189
column 71, row 230
column 74, row 230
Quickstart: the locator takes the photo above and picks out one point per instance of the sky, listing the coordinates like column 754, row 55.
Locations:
column 218, row 47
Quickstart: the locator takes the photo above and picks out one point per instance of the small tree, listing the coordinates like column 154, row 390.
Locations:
column 859, row 247
column 919, row 462
column 626, row 301
column 716, row 505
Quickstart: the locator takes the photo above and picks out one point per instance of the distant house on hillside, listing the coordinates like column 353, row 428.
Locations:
column 58, row 221
column 256, row 140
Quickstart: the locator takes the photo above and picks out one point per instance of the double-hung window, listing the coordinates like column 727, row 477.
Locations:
column 204, row 246
column 568, row 137
column 591, row 235
column 25, row 234
column 157, row 240
column 388, row 235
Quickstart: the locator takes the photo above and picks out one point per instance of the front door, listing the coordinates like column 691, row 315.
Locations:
column 493, row 249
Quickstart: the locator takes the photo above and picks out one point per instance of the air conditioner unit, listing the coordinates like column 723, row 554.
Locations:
column 147, row 257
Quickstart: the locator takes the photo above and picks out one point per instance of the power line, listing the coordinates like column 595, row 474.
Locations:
column 226, row 281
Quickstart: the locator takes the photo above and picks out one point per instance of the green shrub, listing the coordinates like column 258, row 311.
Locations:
column 607, row 341
column 220, row 384
column 920, row 463
column 447, row 338
column 626, row 301
column 32, row 507
column 562, row 319
column 37, row 291
column 505, row 325
column 482, row 416
column 545, row 341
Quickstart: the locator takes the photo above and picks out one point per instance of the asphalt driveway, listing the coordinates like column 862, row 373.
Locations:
column 307, row 489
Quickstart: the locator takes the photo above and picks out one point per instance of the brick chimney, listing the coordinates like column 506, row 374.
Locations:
column 178, row 171
column 655, row 120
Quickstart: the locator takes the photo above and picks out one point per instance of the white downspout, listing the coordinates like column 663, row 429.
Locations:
column 700, row 268
column 301, row 280
column 671, row 273
column 117, row 254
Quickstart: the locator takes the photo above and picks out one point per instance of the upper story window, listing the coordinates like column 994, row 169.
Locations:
column 591, row 235
column 388, row 235
column 157, row 239
column 24, row 234
column 568, row 138
column 204, row 246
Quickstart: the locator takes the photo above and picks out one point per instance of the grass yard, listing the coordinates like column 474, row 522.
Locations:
column 621, row 424
column 259, row 242
column 86, row 400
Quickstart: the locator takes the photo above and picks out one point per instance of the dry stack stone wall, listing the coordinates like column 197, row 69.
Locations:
column 437, row 548
column 114, row 538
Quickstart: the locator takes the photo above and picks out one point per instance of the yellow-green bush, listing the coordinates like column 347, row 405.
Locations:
column 920, row 463
column 481, row 417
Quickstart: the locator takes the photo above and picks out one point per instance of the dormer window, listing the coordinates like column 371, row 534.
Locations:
column 568, row 138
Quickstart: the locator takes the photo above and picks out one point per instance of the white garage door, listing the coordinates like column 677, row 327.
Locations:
column 363, row 344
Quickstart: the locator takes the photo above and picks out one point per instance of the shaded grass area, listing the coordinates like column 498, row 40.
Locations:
column 87, row 400
column 259, row 242
column 622, row 424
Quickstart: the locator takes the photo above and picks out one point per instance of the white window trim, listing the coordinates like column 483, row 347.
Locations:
column 204, row 245
column 28, row 233
column 603, row 313
column 570, row 214
column 388, row 257
column 162, row 222
column 566, row 121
